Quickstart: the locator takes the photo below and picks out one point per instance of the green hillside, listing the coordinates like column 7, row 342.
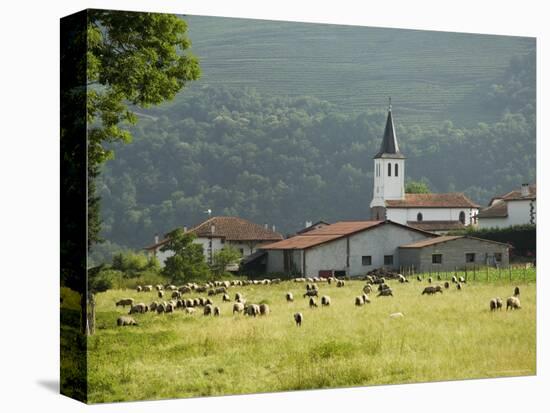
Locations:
column 431, row 76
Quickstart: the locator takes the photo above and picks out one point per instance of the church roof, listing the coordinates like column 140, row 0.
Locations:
column 449, row 200
column 389, row 147
column 437, row 225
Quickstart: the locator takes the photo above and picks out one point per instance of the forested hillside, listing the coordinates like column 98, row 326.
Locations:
column 284, row 158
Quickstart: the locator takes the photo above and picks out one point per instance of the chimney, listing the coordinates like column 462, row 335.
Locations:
column 156, row 239
column 212, row 228
column 308, row 224
column 273, row 227
column 185, row 228
column 524, row 190
column 266, row 225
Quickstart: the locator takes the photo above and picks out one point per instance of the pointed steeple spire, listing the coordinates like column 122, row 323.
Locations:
column 389, row 147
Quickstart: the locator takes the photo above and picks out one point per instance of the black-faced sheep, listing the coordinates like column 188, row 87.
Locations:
column 458, row 286
column 447, row 285
column 461, row 280
column 513, row 303
column 124, row 302
column 430, row 280
column 264, row 309
column 238, row 308
column 383, row 287
column 298, row 318
column 238, row 296
column 139, row 288
column 226, row 298
column 367, row 289
column 340, row 283
column 495, row 304
column 139, row 308
column 289, row 297
column 432, row 289
column 311, row 293
column 161, row 294
column 366, row 299
column 207, row 309
column 454, row 280
column 325, row 300
column 402, row 279
column 359, row 301
column 126, row 321
column 169, row 308
column 252, row 310
column 419, row 278
column 184, row 290
column 208, row 301
column 312, row 302
column 385, row 293
column 217, row 311
column 147, row 288
column 176, row 294
column 516, row 292
column 190, row 310
column 159, row 287
column 153, row 306
column 161, row 308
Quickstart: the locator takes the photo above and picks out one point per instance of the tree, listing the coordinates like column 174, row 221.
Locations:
column 98, row 282
column 222, row 258
column 417, row 187
column 187, row 263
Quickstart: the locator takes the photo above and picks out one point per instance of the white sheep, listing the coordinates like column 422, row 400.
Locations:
column 126, row 321
column 289, row 297
column 124, row 302
column 513, row 303
column 298, row 318
column 264, row 309
column 226, row 298
column 238, row 308
column 190, row 310
column 325, row 301
column 396, row 315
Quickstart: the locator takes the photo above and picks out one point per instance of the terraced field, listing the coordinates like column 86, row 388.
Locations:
column 431, row 76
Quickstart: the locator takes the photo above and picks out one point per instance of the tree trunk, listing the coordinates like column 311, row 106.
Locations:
column 92, row 314
column 83, row 314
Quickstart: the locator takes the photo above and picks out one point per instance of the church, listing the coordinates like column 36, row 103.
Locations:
column 437, row 213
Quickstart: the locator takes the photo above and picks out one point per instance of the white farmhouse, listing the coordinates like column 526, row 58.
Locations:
column 431, row 212
column 217, row 232
column 514, row 208
column 346, row 248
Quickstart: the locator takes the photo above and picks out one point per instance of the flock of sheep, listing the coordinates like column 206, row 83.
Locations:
column 177, row 301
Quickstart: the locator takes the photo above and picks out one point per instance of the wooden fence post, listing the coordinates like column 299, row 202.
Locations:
column 487, row 267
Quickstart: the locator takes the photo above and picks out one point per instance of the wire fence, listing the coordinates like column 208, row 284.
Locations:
column 525, row 272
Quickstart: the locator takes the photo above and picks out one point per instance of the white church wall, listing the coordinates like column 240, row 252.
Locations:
column 519, row 212
column 388, row 187
column 402, row 215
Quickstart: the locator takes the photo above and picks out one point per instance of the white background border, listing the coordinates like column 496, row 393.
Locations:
column 29, row 207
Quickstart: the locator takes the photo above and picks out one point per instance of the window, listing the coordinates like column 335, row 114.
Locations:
column 241, row 251
column 437, row 258
column 470, row 257
column 498, row 256
column 389, row 169
column 222, row 240
column 366, row 260
column 396, row 170
column 388, row 259
column 462, row 217
column 419, row 216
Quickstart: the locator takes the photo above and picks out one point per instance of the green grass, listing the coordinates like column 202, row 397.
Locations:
column 443, row 337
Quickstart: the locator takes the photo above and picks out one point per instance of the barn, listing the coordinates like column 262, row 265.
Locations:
column 346, row 248
column 447, row 253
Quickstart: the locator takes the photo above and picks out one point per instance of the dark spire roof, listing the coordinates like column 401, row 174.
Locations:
column 389, row 147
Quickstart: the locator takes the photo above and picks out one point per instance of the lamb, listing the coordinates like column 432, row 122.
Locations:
column 238, row 308
column 325, row 300
column 252, row 310
column 430, row 280
column 312, row 302
column 126, row 321
column 446, row 284
column 385, row 293
column 208, row 309
column 495, row 304
column 513, row 303
column 264, row 309
column 367, row 289
column 396, row 315
column 359, row 301
column 311, row 293
column 289, row 297
column 432, row 290
column 516, row 292
column 190, row 310
column 124, row 302
column 298, row 318
column 226, row 298
column 216, row 311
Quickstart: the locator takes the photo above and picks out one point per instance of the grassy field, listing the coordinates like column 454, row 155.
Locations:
column 442, row 337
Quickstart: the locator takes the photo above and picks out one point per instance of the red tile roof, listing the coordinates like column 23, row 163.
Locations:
column 499, row 209
column 445, row 238
column 515, row 195
column 450, row 200
column 231, row 229
column 436, row 225
column 331, row 232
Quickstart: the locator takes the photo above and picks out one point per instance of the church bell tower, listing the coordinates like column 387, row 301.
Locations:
column 389, row 171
